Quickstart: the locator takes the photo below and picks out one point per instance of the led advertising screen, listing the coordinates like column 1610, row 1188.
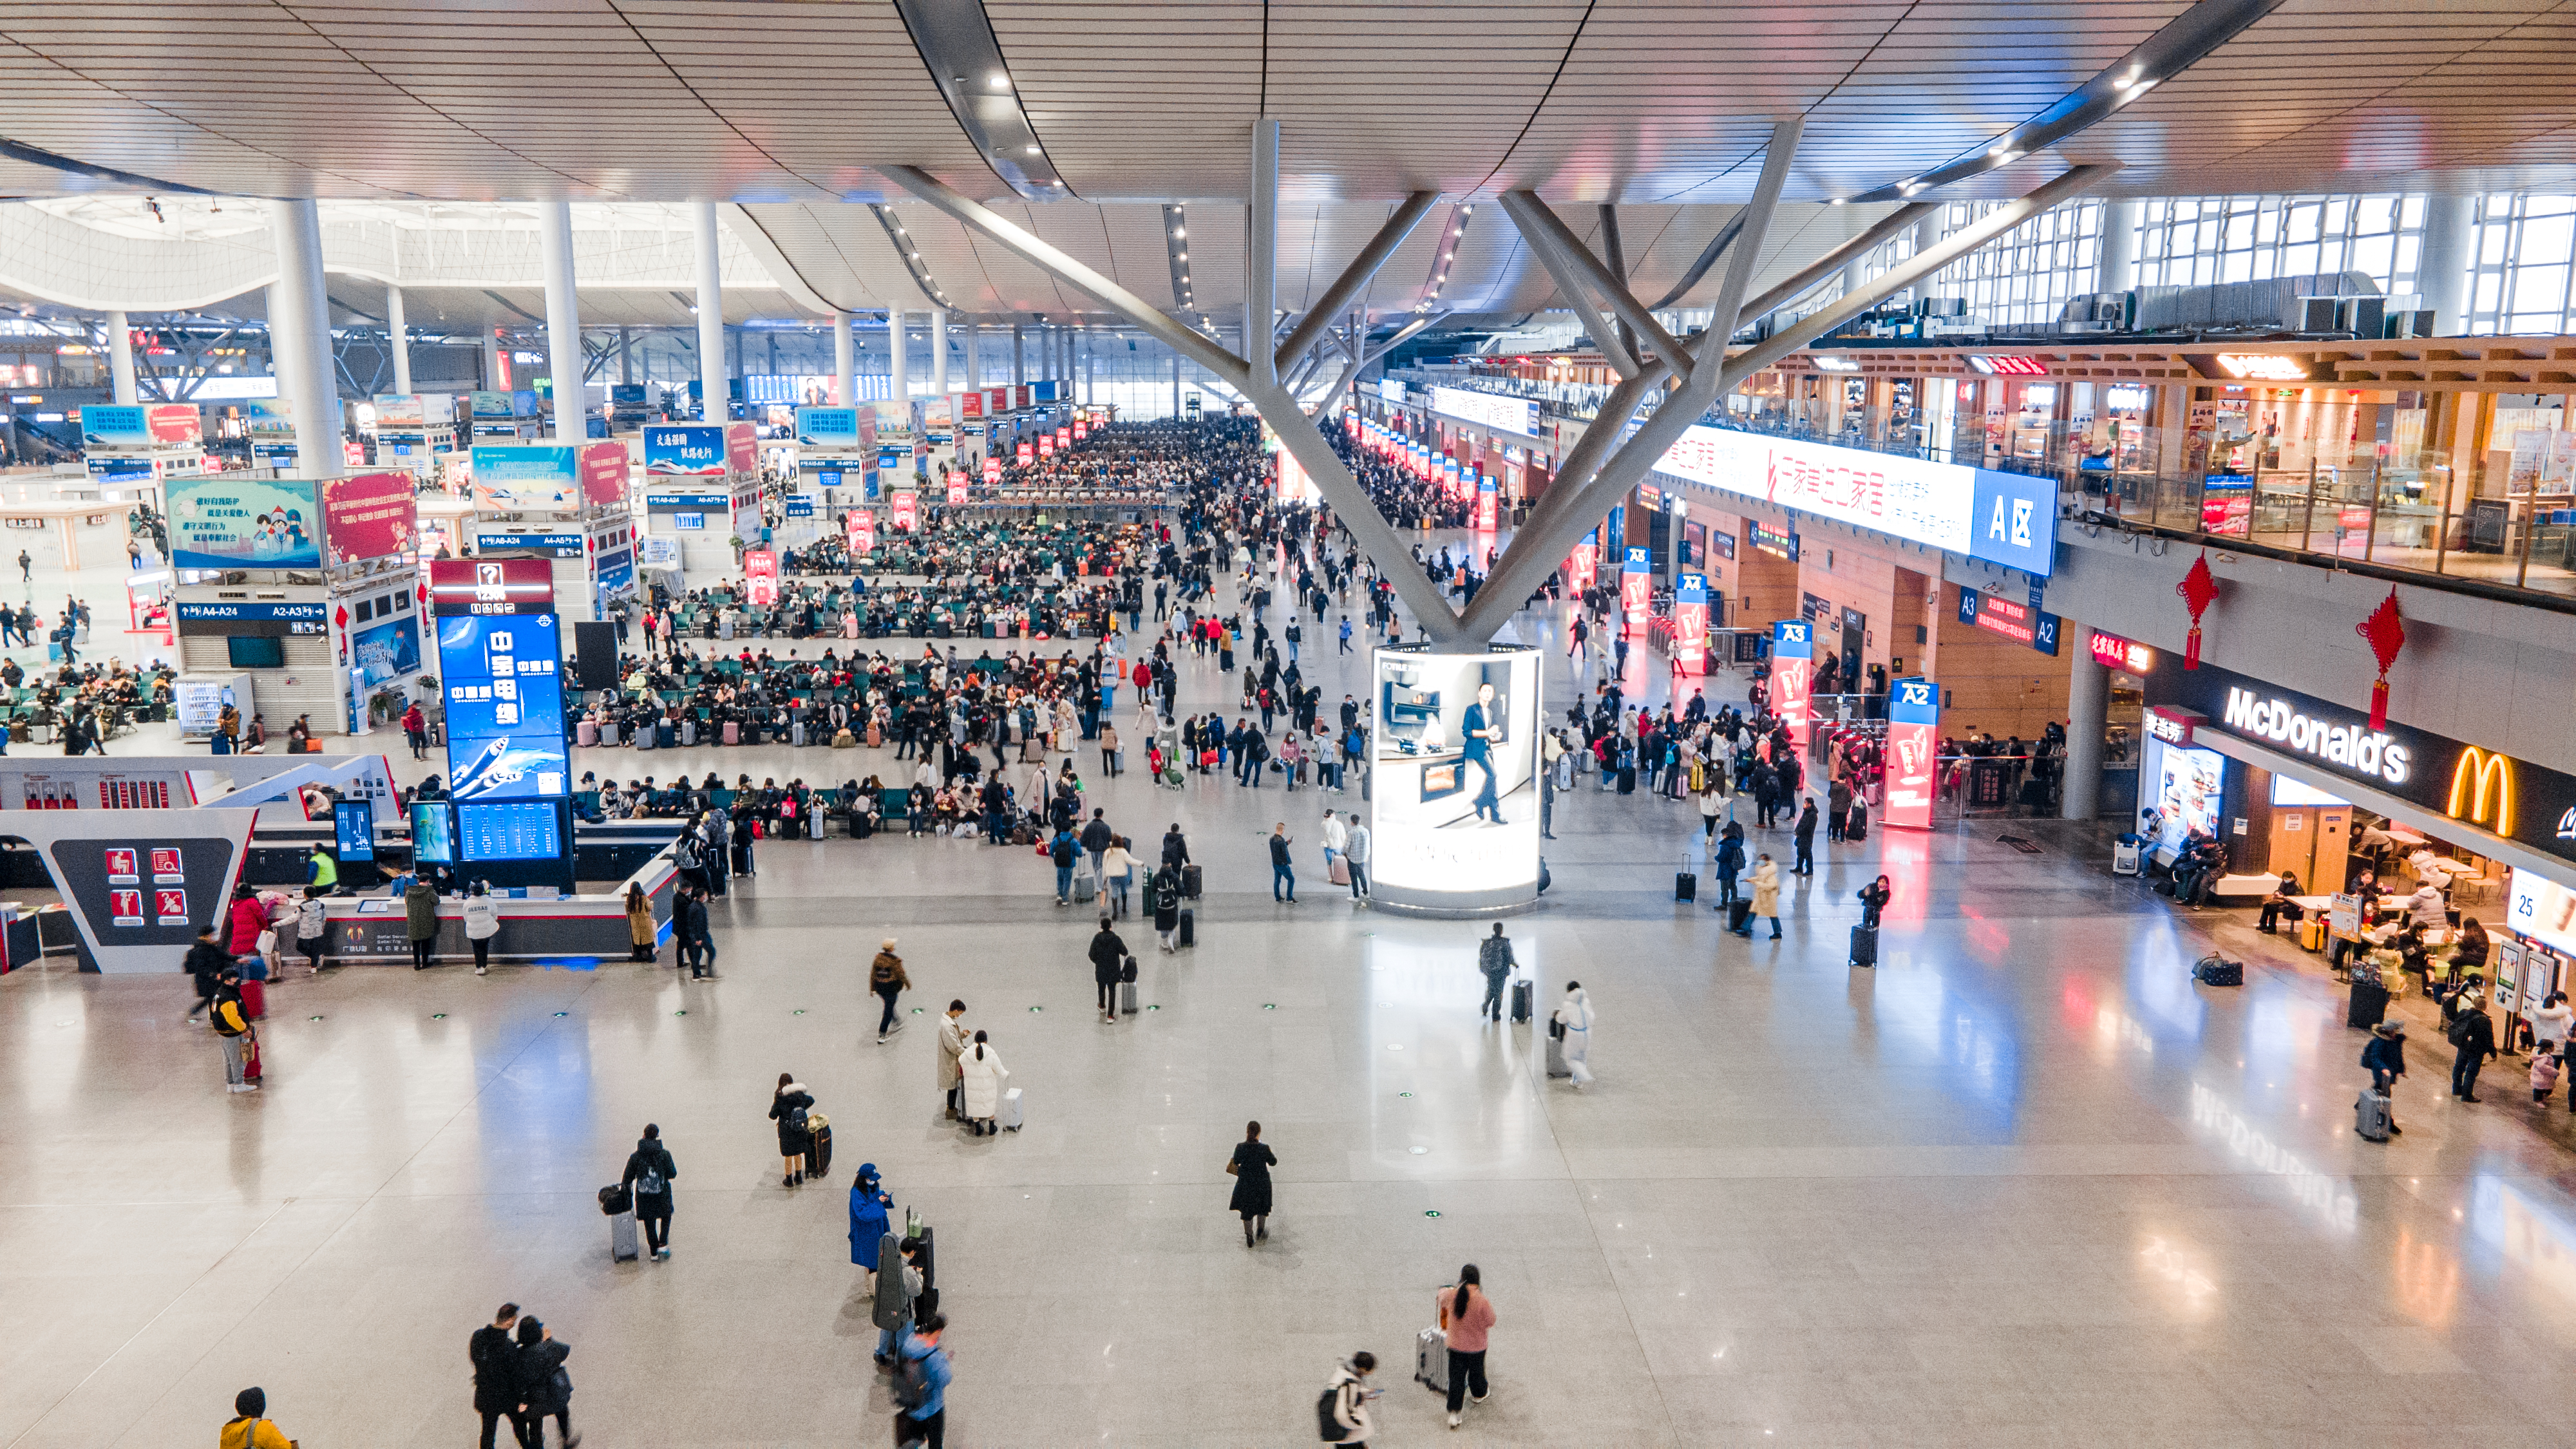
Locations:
column 371, row 515
column 388, row 650
column 956, row 487
column 2543, row 910
column 516, row 830
column 1488, row 506
column 2190, row 787
column 863, row 530
column 355, row 821
column 1454, row 807
column 760, row 577
column 1793, row 659
column 906, row 506
column 1913, row 752
column 1636, row 585
column 827, row 427
column 225, row 521
column 527, row 477
column 503, row 675
column 696, row 449
column 1690, row 625
column 432, row 840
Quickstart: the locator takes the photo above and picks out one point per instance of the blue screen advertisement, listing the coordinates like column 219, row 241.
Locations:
column 504, row 684
column 387, row 650
column 431, row 841
column 698, row 448
column 520, row 830
column 355, row 821
column 223, row 522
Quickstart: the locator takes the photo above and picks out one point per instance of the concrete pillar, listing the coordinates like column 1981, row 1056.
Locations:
column 845, row 360
column 398, row 338
column 2450, row 232
column 564, row 360
column 711, row 330
column 939, row 353
column 120, row 357
column 974, row 358
column 300, row 316
column 1019, row 355
column 625, row 354
column 1176, row 383
column 492, row 361
column 2088, row 688
column 899, row 366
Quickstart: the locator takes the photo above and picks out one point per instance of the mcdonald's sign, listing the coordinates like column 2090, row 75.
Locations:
column 2482, row 790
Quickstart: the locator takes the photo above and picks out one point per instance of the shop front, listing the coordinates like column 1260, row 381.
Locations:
column 2448, row 831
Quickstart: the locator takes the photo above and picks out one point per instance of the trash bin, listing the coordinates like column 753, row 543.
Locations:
column 2126, row 852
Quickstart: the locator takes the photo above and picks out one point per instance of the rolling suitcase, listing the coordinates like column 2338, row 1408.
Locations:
column 1012, row 1115
column 2312, row 933
column 796, row 734
column 1340, row 872
column 645, row 735
column 608, row 734
column 624, row 1244
column 1739, row 915
column 1189, row 882
column 689, row 731
column 818, row 1157
column 1188, row 934
column 1556, row 1066
column 1858, row 828
column 1685, row 885
column 1126, row 998
column 586, row 734
column 733, row 732
column 1431, row 1360
column 1864, row 946
column 2370, row 1115
column 876, row 737
column 1521, row 994
column 664, row 736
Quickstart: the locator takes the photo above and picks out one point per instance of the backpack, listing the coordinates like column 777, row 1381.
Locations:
column 796, row 1118
column 227, row 1019
column 911, row 1386
column 1328, row 1427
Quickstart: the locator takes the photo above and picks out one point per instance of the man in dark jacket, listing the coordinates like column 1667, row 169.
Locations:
column 1806, row 835
column 649, row 1170
column 1283, row 872
column 205, row 961
column 1095, row 843
column 697, row 945
column 1730, row 859
column 1064, row 849
column 1108, row 968
column 2473, row 1032
column 1176, row 847
column 492, row 1354
column 1494, row 958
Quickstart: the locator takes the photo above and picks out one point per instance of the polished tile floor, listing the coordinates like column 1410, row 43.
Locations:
column 2023, row 1184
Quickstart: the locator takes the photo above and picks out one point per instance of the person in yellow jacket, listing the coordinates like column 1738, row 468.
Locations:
column 232, row 1026
column 250, row 1427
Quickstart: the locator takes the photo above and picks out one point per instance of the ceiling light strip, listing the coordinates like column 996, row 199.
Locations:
column 1444, row 254
column 956, row 42
column 909, row 252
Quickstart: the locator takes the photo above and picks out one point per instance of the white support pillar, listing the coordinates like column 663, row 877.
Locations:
column 974, row 358
column 939, row 353
column 711, row 330
column 2117, row 269
column 120, row 357
column 398, row 338
column 2088, row 688
column 492, row 381
column 899, row 363
column 2450, row 231
column 845, row 361
column 300, row 317
column 565, row 363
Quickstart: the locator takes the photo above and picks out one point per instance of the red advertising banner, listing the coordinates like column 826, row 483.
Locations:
column 970, row 406
column 370, row 515
column 906, row 507
column 1046, row 445
column 997, row 401
column 603, row 468
column 1081, row 430
column 1028, row 452
column 863, row 531
column 1064, row 437
column 992, row 470
column 742, row 448
column 175, row 423
column 459, row 586
column 760, row 577
column 1690, row 626
column 956, row 487
column 1790, row 697
column 1913, row 752
column 1023, row 396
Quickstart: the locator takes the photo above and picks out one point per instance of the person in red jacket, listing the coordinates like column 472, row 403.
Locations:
column 248, row 919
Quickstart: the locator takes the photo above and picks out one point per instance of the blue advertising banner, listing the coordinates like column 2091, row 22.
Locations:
column 827, row 427
column 799, row 505
column 504, row 684
column 527, row 477
column 388, row 650
column 616, row 571
column 222, row 522
column 697, row 448
column 114, row 425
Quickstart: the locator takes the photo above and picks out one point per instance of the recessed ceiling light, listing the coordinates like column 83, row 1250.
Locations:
column 2007, row 157
column 999, row 81
column 1837, row 201
column 1185, row 256
column 1179, row 232
column 1032, row 150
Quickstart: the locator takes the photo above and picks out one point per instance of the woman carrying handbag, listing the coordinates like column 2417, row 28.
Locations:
column 1250, row 1168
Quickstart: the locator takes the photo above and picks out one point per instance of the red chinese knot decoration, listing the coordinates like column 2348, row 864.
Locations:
column 2387, row 634
column 2198, row 592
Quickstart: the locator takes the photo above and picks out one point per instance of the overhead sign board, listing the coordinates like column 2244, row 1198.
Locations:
column 225, row 521
column 1492, row 410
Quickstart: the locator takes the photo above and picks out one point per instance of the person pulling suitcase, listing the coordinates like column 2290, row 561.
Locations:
column 1494, row 958
column 649, row 1171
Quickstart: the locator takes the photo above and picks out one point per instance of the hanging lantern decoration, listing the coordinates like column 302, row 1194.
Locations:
column 2198, row 592
column 2387, row 634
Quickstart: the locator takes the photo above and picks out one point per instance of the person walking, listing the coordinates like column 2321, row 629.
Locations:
column 1766, row 896
column 887, row 979
column 788, row 1107
column 1063, row 850
column 2472, row 1032
column 1250, row 1168
column 1118, row 876
column 1806, row 838
column 2384, row 1057
column 1345, row 1400
column 206, row 962
column 420, row 922
column 545, row 1385
column 482, row 923
column 641, row 928
column 415, row 727
column 649, row 1171
column 1356, row 852
column 312, row 929
column 1494, row 958
column 1574, row 1014
column 1110, row 965
column 1467, row 1316
column 495, row 1386
column 953, row 1041
column 922, row 1377
column 1163, row 898
column 249, row 1428
column 980, row 1077
column 1283, row 869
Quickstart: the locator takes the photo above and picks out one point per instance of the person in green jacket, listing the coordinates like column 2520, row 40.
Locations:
column 325, row 870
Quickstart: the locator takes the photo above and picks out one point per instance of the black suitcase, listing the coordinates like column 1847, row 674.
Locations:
column 665, row 737
column 1189, row 882
column 1685, row 886
column 1858, row 827
column 1188, row 934
column 1521, row 994
column 1739, row 915
column 818, row 1156
column 1864, row 946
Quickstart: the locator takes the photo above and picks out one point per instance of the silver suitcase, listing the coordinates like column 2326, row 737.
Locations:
column 2370, row 1115
column 608, row 733
column 1431, row 1360
column 796, row 734
column 689, row 731
column 623, row 1244
column 1127, row 998
column 1556, row 1066
column 1009, row 1118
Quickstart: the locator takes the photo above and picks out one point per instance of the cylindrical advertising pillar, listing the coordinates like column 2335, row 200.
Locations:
column 1793, row 661
column 1913, row 752
column 1454, row 787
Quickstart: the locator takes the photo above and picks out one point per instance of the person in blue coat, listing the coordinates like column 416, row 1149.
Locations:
column 868, row 1204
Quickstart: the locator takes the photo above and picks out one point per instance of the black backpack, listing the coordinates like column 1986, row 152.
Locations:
column 911, row 1386
column 1329, row 1428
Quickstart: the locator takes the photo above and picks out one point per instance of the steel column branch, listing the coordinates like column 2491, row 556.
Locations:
column 1529, row 213
column 1560, row 270
column 1337, row 297
column 1807, row 277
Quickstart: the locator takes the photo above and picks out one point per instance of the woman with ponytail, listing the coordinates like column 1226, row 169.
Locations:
column 1467, row 1315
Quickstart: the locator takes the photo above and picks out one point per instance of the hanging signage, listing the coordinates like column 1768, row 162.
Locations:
column 2018, row 622
column 2004, row 518
column 1913, row 752
column 798, row 505
column 2113, row 652
column 968, row 406
column 528, row 477
column 1793, row 651
column 1772, row 541
column 144, row 425
column 863, row 531
column 696, row 449
column 224, row 521
column 2249, row 366
column 956, row 487
column 371, row 515
column 603, row 473
column 1492, row 410
column 905, row 502
column 827, row 427
column 491, row 586
column 760, row 577
column 1690, row 625
column 2009, row 366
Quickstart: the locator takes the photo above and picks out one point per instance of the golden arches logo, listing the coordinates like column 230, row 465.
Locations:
column 2482, row 790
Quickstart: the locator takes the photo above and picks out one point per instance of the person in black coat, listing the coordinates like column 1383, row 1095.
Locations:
column 1251, row 1166
column 1806, row 835
column 1108, row 968
column 787, row 1108
column 649, row 1170
column 496, row 1385
column 2473, row 1032
column 1163, row 898
column 544, row 1385
column 1873, row 901
column 1176, row 848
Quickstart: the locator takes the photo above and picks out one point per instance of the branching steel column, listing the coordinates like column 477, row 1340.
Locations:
column 1544, row 229
column 1808, row 277
column 1338, row 296
column 1560, row 270
column 1519, row 572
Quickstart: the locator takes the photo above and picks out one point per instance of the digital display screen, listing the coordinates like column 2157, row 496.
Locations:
column 520, row 830
column 432, row 841
column 2286, row 791
column 504, row 680
column 356, row 821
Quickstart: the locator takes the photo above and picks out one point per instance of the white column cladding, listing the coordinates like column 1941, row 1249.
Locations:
column 300, row 315
column 398, row 338
column 120, row 357
column 939, row 355
column 974, row 358
column 2450, row 227
column 845, row 360
column 711, row 330
column 2087, row 699
column 899, row 361
column 2117, row 269
column 492, row 361
column 565, row 364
